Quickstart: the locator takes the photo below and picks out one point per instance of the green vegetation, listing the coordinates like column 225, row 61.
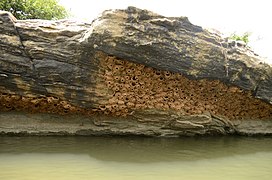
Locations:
column 244, row 37
column 34, row 9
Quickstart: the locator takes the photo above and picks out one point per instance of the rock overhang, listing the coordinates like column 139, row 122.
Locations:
column 71, row 69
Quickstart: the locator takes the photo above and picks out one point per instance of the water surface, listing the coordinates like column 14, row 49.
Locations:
column 82, row 158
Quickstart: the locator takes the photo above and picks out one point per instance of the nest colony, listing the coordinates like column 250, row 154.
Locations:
column 129, row 86
column 135, row 86
column 10, row 102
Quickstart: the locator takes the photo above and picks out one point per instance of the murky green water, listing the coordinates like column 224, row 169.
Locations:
column 36, row 158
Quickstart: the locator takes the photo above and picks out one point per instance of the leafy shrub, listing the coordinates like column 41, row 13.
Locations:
column 243, row 37
column 34, row 9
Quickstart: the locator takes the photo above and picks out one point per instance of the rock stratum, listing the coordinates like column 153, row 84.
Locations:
column 129, row 72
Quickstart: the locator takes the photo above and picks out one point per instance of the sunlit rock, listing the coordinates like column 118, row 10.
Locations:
column 129, row 72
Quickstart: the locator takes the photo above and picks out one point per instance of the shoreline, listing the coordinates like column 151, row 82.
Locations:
column 24, row 124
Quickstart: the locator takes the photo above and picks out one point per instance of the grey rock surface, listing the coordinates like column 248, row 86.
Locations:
column 146, row 123
column 176, row 45
column 41, row 58
column 49, row 55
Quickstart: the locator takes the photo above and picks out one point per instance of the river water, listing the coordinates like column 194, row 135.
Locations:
column 72, row 158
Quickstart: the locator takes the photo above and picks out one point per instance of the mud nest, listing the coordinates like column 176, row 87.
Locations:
column 125, row 87
column 11, row 102
column 135, row 87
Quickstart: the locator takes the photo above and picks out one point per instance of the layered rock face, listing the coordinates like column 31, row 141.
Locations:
column 129, row 72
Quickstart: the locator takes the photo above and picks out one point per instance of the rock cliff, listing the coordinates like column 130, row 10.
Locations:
column 129, row 72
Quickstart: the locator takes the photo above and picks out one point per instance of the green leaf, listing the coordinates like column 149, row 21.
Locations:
column 34, row 9
column 244, row 37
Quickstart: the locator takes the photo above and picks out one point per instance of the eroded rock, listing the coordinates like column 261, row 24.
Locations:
column 129, row 72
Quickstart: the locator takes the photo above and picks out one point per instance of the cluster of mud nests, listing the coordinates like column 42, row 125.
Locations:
column 130, row 87
column 10, row 102
column 135, row 86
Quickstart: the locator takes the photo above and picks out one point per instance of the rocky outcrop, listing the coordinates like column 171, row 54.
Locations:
column 129, row 72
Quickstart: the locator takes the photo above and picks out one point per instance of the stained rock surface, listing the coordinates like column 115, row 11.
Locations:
column 129, row 72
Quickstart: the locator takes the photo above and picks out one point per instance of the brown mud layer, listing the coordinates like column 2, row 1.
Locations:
column 140, row 100
column 132, row 87
column 135, row 87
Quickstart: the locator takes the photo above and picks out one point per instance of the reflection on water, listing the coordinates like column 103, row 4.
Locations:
column 135, row 158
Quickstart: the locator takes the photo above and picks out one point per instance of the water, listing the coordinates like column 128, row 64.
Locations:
column 49, row 158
